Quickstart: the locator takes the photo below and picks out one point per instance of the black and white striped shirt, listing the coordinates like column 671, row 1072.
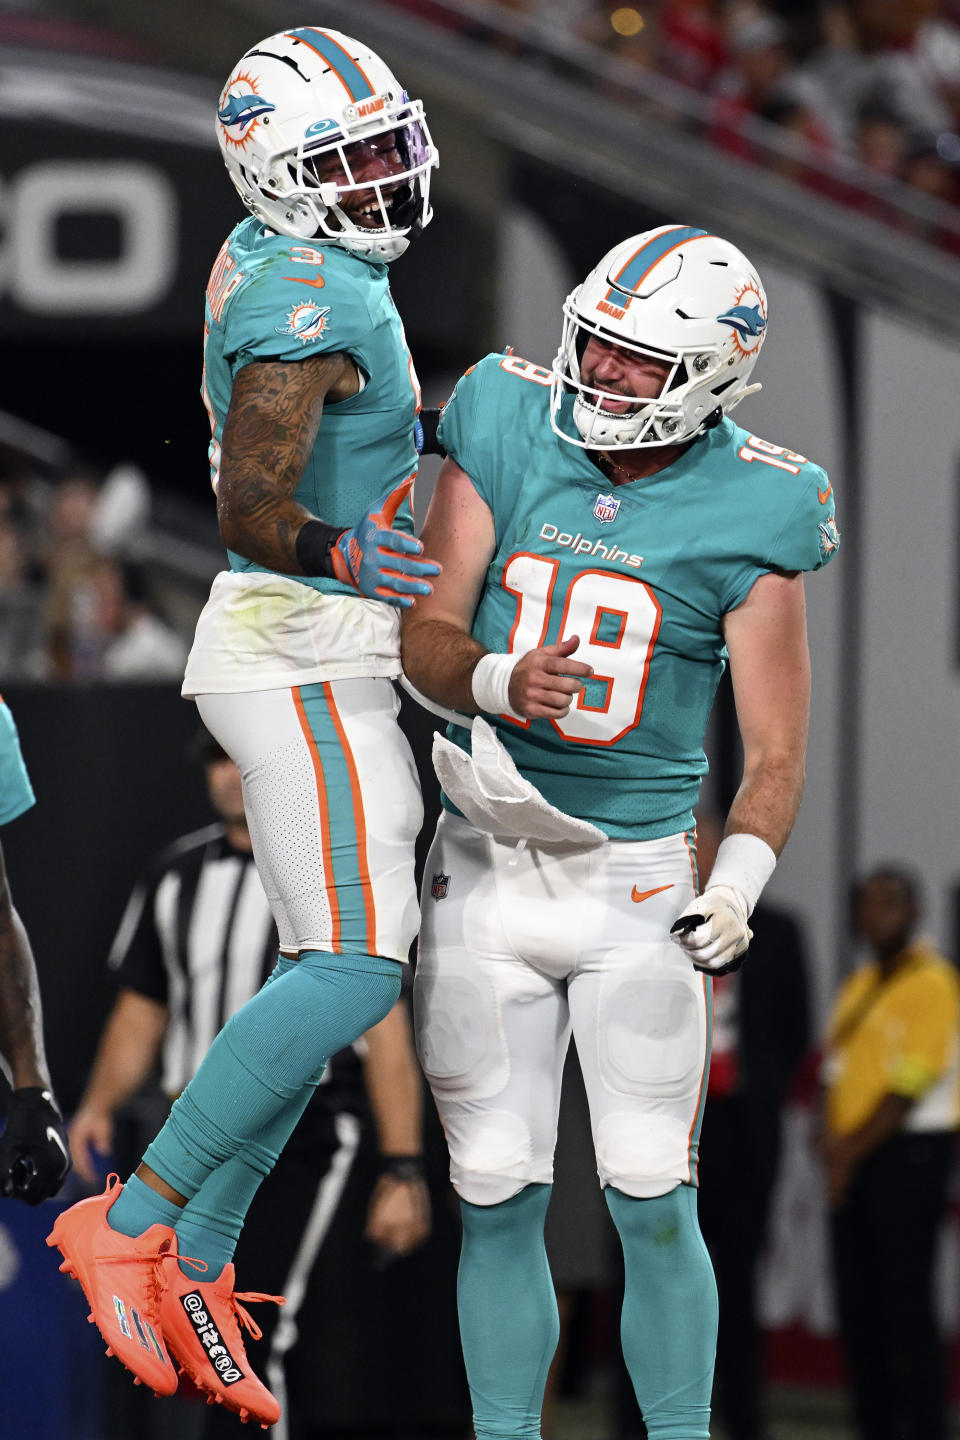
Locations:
column 198, row 936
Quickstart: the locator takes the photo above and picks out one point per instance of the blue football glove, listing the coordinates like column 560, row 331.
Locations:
column 378, row 561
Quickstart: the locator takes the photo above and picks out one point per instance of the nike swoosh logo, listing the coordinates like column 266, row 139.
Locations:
column 639, row 895
column 824, row 495
column 317, row 283
column 55, row 1138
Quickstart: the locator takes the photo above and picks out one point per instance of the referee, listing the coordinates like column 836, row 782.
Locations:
column 197, row 939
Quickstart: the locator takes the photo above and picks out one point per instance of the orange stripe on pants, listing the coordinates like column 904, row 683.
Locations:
column 360, row 824
column 328, row 876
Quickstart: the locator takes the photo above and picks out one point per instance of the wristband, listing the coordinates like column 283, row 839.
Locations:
column 745, row 863
column 313, row 544
column 490, row 684
column 402, row 1167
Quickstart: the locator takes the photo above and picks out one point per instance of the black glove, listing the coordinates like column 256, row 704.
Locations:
column 34, row 1156
column 425, row 432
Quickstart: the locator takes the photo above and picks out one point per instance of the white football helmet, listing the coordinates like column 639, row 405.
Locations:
column 307, row 94
column 681, row 296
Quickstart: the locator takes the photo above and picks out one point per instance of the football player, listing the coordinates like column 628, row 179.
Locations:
column 34, row 1158
column 312, row 397
column 609, row 539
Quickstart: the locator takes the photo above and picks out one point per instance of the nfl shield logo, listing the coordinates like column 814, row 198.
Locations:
column 606, row 508
column 439, row 886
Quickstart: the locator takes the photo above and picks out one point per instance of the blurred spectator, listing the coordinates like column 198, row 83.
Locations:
column 880, row 140
column 758, row 54
column 803, row 164
column 67, row 560
column 875, row 52
column 925, row 170
column 25, row 499
column 101, row 626
column 693, row 42
column 937, row 49
column 758, row 65
column 66, row 613
column 69, row 517
column 137, row 643
column 21, row 616
column 847, row 78
column 892, row 1110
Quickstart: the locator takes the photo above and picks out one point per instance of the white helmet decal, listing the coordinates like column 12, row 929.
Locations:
column 678, row 295
column 297, row 110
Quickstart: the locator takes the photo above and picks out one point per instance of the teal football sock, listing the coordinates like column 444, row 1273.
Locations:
column 669, row 1320
column 197, row 1242
column 264, row 1057
column 508, row 1313
column 138, row 1207
column 209, row 1225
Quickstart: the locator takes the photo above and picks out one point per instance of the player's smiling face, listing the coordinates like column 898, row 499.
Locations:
column 370, row 160
column 618, row 371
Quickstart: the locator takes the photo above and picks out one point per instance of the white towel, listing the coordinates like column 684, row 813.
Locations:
column 490, row 791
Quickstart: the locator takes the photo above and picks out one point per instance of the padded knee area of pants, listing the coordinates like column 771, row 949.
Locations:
column 492, row 1160
column 644, row 1155
column 652, row 1029
column 460, row 1040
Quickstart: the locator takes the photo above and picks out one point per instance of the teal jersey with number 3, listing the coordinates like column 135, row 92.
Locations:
column 270, row 298
column 642, row 572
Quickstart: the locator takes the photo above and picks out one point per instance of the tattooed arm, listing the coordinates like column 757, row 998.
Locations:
column 270, row 429
column 21, row 1024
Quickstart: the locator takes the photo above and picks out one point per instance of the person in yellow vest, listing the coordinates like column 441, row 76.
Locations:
column 891, row 1113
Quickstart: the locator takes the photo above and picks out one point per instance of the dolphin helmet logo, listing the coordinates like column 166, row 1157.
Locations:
column 747, row 318
column 744, row 318
column 240, row 110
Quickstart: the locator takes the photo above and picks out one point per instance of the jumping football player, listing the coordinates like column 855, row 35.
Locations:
column 312, row 397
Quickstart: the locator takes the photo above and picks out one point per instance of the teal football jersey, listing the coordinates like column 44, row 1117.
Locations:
column 16, row 792
column 642, row 572
column 269, row 298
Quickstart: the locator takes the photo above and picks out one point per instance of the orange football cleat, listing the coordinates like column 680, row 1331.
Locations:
column 121, row 1278
column 200, row 1325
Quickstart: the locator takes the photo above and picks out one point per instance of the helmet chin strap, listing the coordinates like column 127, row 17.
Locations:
column 377, row 244
column 604, row 427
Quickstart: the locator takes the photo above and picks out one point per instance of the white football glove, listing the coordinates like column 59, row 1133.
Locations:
column 713, row 930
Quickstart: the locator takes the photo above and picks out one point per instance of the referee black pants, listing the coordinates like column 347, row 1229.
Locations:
column 884, row 1243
